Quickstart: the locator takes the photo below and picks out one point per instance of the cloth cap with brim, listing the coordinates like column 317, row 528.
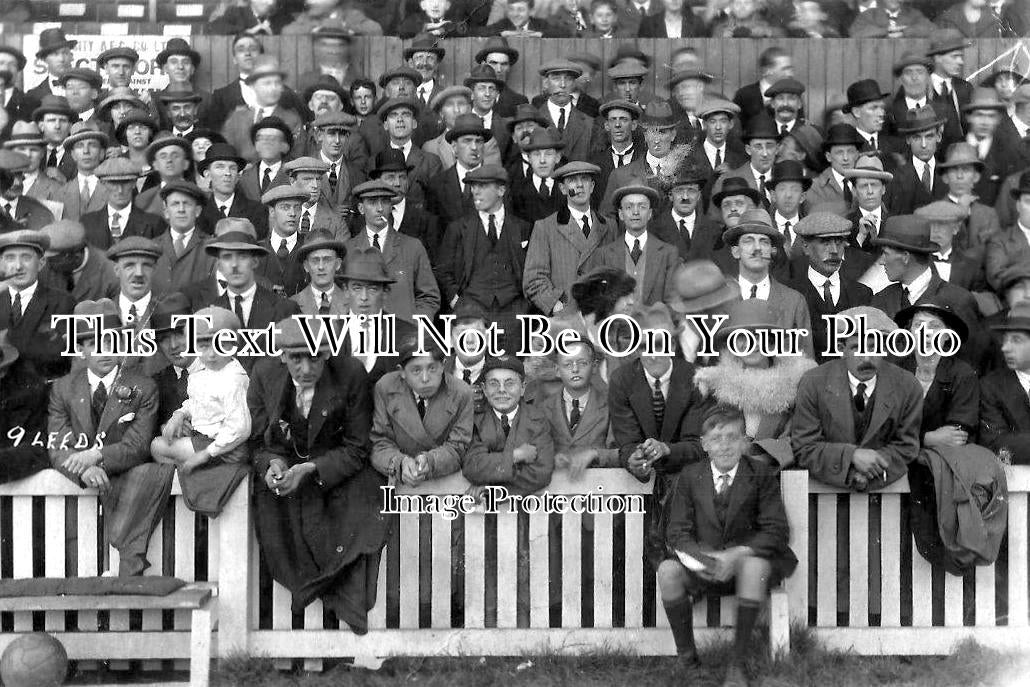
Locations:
column 326, row 83
column 627, row 70
column 389, row 160
column 18, row 55
column 122, row 94
column 607, row 106
column 123, row 52
column 335, row 120
column 717, row 105
column 687, row 174
column 752, row 315
column 184, row 187
column 687, row 74
column 305, row 164
column 823, row 225
column 51, row 40
column 498, row 44
column 220, row 319
column 736, row 186
column 911, row 58
column 105, row 309
column 543, row 139
column 168, row 140
column 922, row 118
column 397, row 103
column 790, row 170
column 862, row 92
column 943, row 211
column 8, row 353
column 1015, row 272
column 25, row 238
column 808, row 138
column 842, row 135
column 265, row 65
column 12, row 161
column 134, row 246
column 425, row 42
column 487, row 174
column 575, row 167
column 321, row 240
column 985, row 99
column 25, row 134
column 290, row 336
column 468, row 125
column 65, row 235
column 787, row 85
column 907, row 232
column 366, row 265
column 118, row 169
column 87, row 76
column 53, row 104
column 875, row 319
column 85, row 131
column 753, row 221
column 169, row 307
column 560, row 65
column 948, row 40
column 177, row 46
column 700, row 286
column 272, row 123
column 373, row 189
column 868, row 167
column 179, row 96
column 658, row 115
column 1017, row 320
column 333, row 29
column 449, row 92
column 636, row 189
column 585, row 59
column 960, row 155
column 952, row 320
column 1023, row 187
column 236, row 240
column 628, row 51
column 221, row 152
column 483, row 73
column 284, row 192
column 400, row 73
column 504, row 362
column 525, row 113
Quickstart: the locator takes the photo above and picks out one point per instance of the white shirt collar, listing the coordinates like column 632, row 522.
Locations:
column 248, row 295
column 716, row 474
column 510, row 415
column 913, row 104
column 107, row 379
column 317, row 293
column 872, row 214
column 406, row 148
column 227, row 202
column 329, row 162
column 555, row 111
column 370, row 234
column 710, row 150
column 26, row 294
column 663, row 381
column 186, row 235
column 141, row 305
column 918, row 285
column 568, row 399
column 291, row 241
column 653, row 162
column 537, row 180
column 691, row 221
column 272, row 168
column 398, row 212
column 1024, row 380
column 870, row 386
column 630, row 239
column 762, row 293
column 484, row 218
column 577, row 216
column 90, row 179
column 474, row 370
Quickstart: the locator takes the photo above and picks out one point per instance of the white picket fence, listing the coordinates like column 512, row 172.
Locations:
column 503, row 567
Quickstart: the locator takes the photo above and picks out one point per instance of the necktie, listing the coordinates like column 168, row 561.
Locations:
column 84, row 194
column 238, row 309
column 945, row 90
column 178, row 244
column 323, row 305
column 182, row 383
column 860, row 397
column 282, row 252
column 723, row 484
column 574, row 415
column 907, row 296
column 133, row 313
column 422, row 95
column 872, row 143
column 51, row 160
column 491, row 230
column 305, row 222
column 642, row 9
column 827, row 293
column 586, row 227
column 116, row 226
column 222, row 286
column 258, row 115
column 685, row 233
column 784, row 130
column 99, row 401
column 761, row 186
column 421, row 408
column 561, row 120
column 8, row 210
column 266, row 179
column 505, row 425
column 658, row 405
column 788, row 239
column 16, row 310
column 302, row 405
column 718, row 159
column 466, row 376
column 926, row 179
column 848, row 198
column 635, row 253
column 543, row 189
column 375, row 243
column 622, row 159
column 224, row 209
column 333, row 177
column 754, row 291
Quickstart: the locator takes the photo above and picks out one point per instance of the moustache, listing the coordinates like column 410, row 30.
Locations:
column 786, row 108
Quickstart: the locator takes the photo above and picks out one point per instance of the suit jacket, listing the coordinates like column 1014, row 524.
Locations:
column 755, row 515
column 250, row 184
column 93, row 280
column 139, row 223
column 1005, row 415
column 176, row 273
column 824, row 190
column 789, row 310
column 602, row 157
column 442, row 149
column 490, row 459
column 584, row 102
column 852, row 294
column 305, row 299
column 653, row 26
column 37, row 340
column 443, row 435
column 73, row 208
column 457, row 254
column 823, row 433
column 426, row 167
column 1005, row 248
column 529, row 205
column 750, row 101
column 637, row 171
column 267, row 308
column 236, row 129
column 592, row 432
column 965, row 272
column 874, row 23
column 558, row 255
column 507, row 101
column 31, row 214
column 906, row 191
column 383, row 363
column 660, row 262
column 286, row 276
column 242, row 206
column 630, row 19
column 734, row 158
column 578, row 130
column 1002, row 160
column 446, row 200
column 701, row 246
column 417, row 223
column 226, row 99
column 16, row 110
column 44, row 188
column 415, row 291
column 954, row 128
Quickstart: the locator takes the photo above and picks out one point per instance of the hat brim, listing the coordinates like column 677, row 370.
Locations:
column 868, row 174
column 207, row 162
column 751, row 193
column 372, row 279
column 552, row 145
column 948, row 47
column 45, row 110
column 337, row 89
column 1016, row 324
column 16, row 142
column 729, row 291
column 653, row 195
column 951, row 319
column 849, row 106
column 18, row 56
column 85, row 136
column 43, row 52
column 155, row 146
column 805, row 182
column 910, row 247
column 730, row 237
column 926, row 126
column 512, row 54
column 339, row 246
column 539, row 119
column 979, row 164
column 216, row 245
column 458, row 133
column 379, row 171
column 254, row 76
column 162, row 57
column 410, row 52
column 472, row 80
column 1017, row 192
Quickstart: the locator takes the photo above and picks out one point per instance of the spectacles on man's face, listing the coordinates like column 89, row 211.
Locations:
column 508, row 385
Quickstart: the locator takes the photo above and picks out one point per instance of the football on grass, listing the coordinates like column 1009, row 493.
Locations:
column 34, row 660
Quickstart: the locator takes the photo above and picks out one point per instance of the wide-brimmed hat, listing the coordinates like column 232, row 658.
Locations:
column 694, row 73
column 985, row 99
column 165, row 140
column 943, row 211
column 751, row 314
column 265, row 65
column 809, row 138
column 823, row 225
column 121, row 94
column 560, row 65
column 335, row 120
column 786, row 85
column 184, row 187
column 789, row 170
column 468, row 124
column 636, row 188
column 333, row 28
column 179, row 95
column 171, row 306
column 488, row 174
column 961, row 154
column 627, row 70
column 284, row 192
column 753, row 221
column 425, row 42
column 123, row 51
column 234, row 233
column 65, row 235
column 87, row 76
column 658, row 115
column 907, row 232
column 367, row 265
column 868, row 167
column 178, row 46
column 136, row 117
column 1017, row 320
column 13, row 161
column 25, row 238
column 544, row 138
column 952, row 320
column 526, row 113
column 51, row 40
column 321, row 240
column 874, row 318
column 25, row 134
column 396, row 103
column 497, row 44
column 118, row 169
column 389, row 160
column 105, row 309
column 291, row 339
column 53, row 104
column 209, row 134
column 629, row 51
column 483, row 73
column 862, row 92
column 1022, row 187
column 716, row 105
column 700, row 286
column 760, row 126
column 736, row 186
column 452, row 91
column 911, row 58
column 221, row 152
column 220, row 318
column 947, row 40
column 84, row 131
column 272, row 123
column 842, row 135
column 134, row 246
column 326, row 82
column 689, row 173
column 921, row 118
column 402, row 72
column 18, row 55
column 573, row 168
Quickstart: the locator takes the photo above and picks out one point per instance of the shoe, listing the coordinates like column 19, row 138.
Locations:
column 689, row 661
column 735, row 677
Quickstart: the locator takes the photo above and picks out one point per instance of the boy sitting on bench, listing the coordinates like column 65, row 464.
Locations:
column 728, row 527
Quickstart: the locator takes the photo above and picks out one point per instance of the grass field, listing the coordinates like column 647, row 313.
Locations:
column 808, row 665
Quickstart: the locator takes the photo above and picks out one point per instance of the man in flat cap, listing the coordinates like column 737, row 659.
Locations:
column 221, row 166
column 73, row 267
column 656, row 163
column 572, row 124
column 483, row 256
column 324, row 209
column 135, row 259
column 322, row 257
column 400, row 117
column 786, row 105
column 120, row 218
column 618, row 140
column 26, row 139
column 54, row 118
column 342, row 154
column 119, row 64
column 179, row 62
column 81, row 88
column 84, row 193
column 272, row 141
column 449, row 196
column 414, row 291
column 718, row 153
column 18, row 209
column 399, row 82
column 279, row 262
column 183, row 260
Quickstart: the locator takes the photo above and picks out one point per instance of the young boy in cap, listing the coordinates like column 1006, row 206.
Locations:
column 215, row 409
column 727, row 528
column 1004, row 409
column 321, row 257
column 537, row 195
column 120, row 219
column 222, row 167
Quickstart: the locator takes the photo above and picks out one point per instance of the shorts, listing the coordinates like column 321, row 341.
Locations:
column 202, row 441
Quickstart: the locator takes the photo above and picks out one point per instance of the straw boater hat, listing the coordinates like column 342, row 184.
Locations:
column 25, row 134
column 84, row 131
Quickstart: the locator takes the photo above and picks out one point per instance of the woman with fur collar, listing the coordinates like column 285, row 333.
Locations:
column 763, row 387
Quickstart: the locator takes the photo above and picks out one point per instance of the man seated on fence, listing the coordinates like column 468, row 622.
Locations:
column 102, row 418
column 316, row 497
column 729, row 533
column 1004, row 408
column 856, row 419
column 23, row 409
column 422, row 422
column 511, row 440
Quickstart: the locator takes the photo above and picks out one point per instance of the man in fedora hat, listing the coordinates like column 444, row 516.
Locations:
column 23, row 411
column 74, row 268
column 760, row 142
column 180, row 63
column 113, row 409
column 54, row 118
column 256, row 18
column 400, row 118
column 1012, row 245
column 501, row 57
column 644, row 256
column 322, row 257
column 183, row 260
column 563, row 243
column 483, row 255
column 280, row 264
column 84, row 193
column 869, row 180
column 414, row 291
column 617, row 139
column 221, row 166
column 960, row 172
column 918, row 182
column 866, row 103
column 424, row 56
column 908, row 262
column 315, row 479
column 912, row 71
column 26, row 139
column 12, row 99
column 408, row 217
column 1000, row 156
column 119, row 218
column 1004, row 408
column 449, row 196
column 56, row 52
column 537, row 195
column 820, row 254
column 17, row 208
column 684, row 225
column 572, row 124
column 182, row 107
column 486, row 87
column 26, row 305
column 656, row 163
column 267, row 79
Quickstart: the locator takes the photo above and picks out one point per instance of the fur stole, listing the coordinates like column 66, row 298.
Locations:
column 768, row 391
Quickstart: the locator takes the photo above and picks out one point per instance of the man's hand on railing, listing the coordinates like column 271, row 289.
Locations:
column 412, row 471
column 577, row 462
column 77, row 463
column 869, row 463
column 96, row 477
column 638, row 464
